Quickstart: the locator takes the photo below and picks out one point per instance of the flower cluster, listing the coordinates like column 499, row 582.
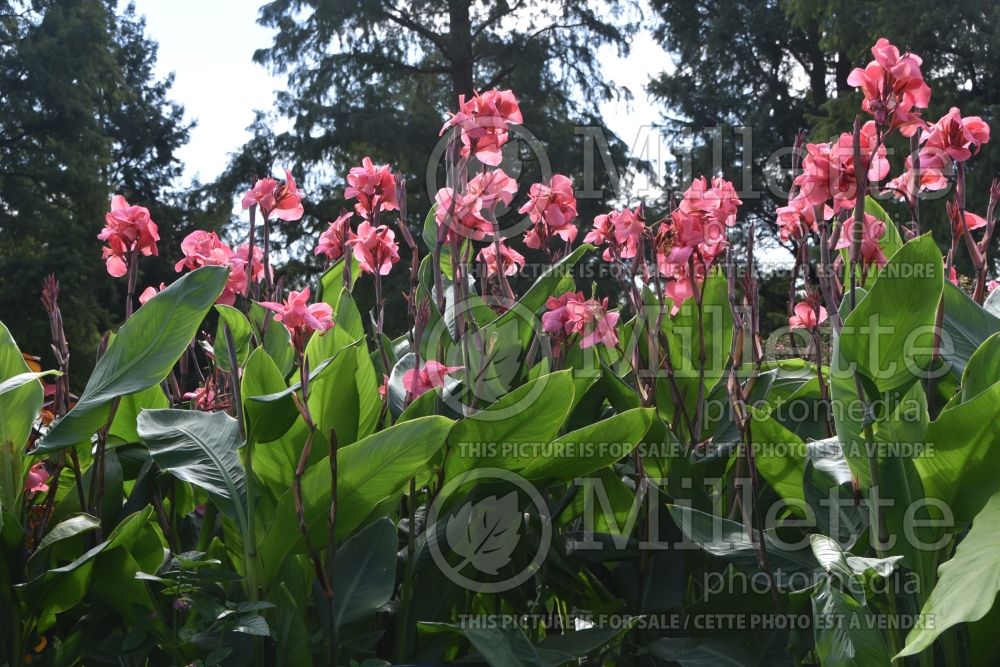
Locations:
column 694, row 235
column 127, row 230
column 829, row 175
column 620, row 231
column 206, row 398
column 201, row 248
column 418, row 381
column 572, row 313
column 552, row 209
column 872, row 231
column 483, row 122
column 951, row 140
column 375, row 248
column 37, row 479
column 511, row 261
column 335, row 239
column 301, row 317
column 374, row 187
column 276, row 199
column 893, row 86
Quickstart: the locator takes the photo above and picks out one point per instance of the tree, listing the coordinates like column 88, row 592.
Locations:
column 780, row 66
column 84, row 117
column 378, row 77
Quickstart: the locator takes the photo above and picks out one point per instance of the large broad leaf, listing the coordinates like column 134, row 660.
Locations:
column 266, row 420
column 728, row 540
column 289, row 628
column 901, row 489
column 703, row 651
column 501, row 647
column 346, row 399
column 983, row 370
column 18, row 408
column 888, row 335
column 199, row 448
column 845, row 630
column 123, row 425
column 332, row 280
column 962, row 455
column 592, row 447
column 968, row 583
column 146, row 348
column 369, row 472
column 276, row 340
column 239, row 329
column 365, row 576
column 64, row 587
column 532, row 414
column 966, row 325
column 780, row 456
column 68, row 528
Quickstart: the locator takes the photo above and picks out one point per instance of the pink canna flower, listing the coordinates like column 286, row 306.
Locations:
column 276, row 199
column 461, row 214
column 962, row 220
column 204, row 398
column 872, row 232
column 334, row 240
column 620, row 231
column 37, row 479
column 374, row 187
column 375, row 248
column 239, row 275
column 892, row 86
column 953, row 276
column 511, row 260
column 934, row 168
column 552, row 210
column 493, row 187
column 828, row 170
column 675, row 265
column 602, row 233
column 952, row 139
column 432, row 374
column 201, row 248
column 301, row 317
column 805, row 316
column 483, row 121
column 149, row 293
column 127, row 230
column 556, row 320
column 798, row 218
column 958, row 137
column 593, row 322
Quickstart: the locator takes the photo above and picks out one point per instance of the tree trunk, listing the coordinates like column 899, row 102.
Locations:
column 460, row 34
column 844, row 67
column 817, row 73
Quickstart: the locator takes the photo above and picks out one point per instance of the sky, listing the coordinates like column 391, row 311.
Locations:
column 208, row 45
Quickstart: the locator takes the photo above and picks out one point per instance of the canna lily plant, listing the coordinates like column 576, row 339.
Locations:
column 544, row 478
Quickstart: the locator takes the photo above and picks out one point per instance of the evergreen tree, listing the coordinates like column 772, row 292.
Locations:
column 378, row 78
column 84, row 118
column 780, row 66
